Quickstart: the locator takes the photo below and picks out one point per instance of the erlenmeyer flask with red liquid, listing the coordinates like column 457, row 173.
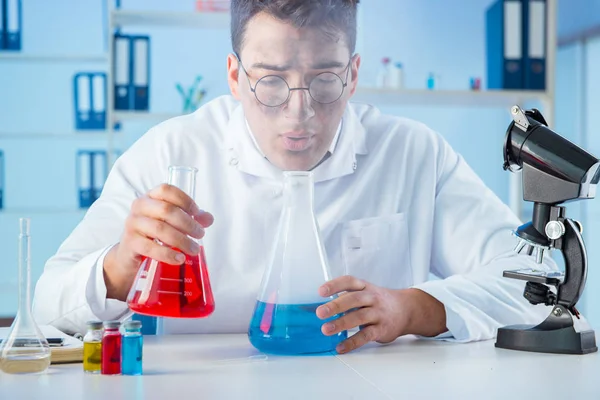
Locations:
column 175, row 291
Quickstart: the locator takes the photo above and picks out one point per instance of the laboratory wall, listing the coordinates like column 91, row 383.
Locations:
column 590, row 123
column 39, row 141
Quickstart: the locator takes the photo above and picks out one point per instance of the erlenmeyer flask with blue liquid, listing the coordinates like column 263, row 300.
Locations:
column 285, row 319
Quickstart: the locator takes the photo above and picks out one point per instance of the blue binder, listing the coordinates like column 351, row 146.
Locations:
column 122, row 71
column 99, row 102
column 1, row 179
column 13, row 25
column 84, row 178
column 2, row 24
column 90, row 100
column 148, row 323
column 91, row 170
column 504, row 45
column 534, row 44
column 131, row 70
column 99, row 172
column 140, row 55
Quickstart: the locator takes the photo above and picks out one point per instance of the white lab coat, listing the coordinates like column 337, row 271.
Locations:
column 394, row 202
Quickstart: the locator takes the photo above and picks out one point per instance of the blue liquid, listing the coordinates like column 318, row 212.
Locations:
column 132, row 355
column 291, row 329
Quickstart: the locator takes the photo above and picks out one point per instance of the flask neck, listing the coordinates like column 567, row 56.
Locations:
column 298, row 191
column 24, row 272
column 183, row 178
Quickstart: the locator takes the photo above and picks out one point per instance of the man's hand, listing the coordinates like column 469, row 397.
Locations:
column 382, row 314
column 166, row 214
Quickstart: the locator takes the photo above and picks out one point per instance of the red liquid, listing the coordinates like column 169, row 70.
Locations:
column 111, row 354
column 177, row 291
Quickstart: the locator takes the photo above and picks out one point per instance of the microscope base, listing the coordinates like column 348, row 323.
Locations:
column 531, row 338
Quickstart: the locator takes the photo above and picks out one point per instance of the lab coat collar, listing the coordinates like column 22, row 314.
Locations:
column 244, row 155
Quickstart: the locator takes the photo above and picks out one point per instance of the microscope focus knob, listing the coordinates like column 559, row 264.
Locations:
column 555, row 229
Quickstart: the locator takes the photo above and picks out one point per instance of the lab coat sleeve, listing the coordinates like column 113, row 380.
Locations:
column 71, row 289
column 472, row 246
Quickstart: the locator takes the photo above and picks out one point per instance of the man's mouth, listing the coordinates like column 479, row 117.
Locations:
column 296, row 142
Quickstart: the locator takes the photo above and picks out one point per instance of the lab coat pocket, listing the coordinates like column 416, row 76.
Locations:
column 377, row 250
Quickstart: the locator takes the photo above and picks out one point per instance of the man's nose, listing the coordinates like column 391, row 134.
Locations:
column 299, row 106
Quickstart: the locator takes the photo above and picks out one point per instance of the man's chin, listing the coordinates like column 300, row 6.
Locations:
column 293, row 161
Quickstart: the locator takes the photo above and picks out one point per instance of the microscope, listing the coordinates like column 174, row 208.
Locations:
column 554, row 171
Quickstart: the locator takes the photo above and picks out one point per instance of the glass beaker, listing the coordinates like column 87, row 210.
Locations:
column 176, row 291
column 285, row 320
column 25, row 349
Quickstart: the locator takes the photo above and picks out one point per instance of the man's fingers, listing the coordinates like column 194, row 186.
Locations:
column 177, row 197
column 171, row 214
column 344, row 283
column 362, row 316
column 344, row 303
column 174, row 195
column 205, row 219
column 360, row 338
column 165, row 233
column 149, row 248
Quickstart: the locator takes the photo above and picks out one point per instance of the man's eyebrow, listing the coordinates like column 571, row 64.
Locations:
column 270, row 67
column 287, row 67
column 329, row 65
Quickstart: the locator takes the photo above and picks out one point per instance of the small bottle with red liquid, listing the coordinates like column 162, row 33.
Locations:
column 111, row 349
column 175, row 291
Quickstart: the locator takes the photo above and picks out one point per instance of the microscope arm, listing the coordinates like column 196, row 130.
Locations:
column 573, row 250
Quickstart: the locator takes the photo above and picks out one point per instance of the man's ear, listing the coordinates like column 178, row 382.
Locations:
column 354, row 67
column 233, row 75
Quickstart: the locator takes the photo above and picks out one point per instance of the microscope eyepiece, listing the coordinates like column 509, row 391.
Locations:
column 555, row 169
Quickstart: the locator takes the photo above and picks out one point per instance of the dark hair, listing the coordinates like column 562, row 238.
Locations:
column 332, row 16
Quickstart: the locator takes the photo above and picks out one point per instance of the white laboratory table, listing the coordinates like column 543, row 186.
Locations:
column 228, row 367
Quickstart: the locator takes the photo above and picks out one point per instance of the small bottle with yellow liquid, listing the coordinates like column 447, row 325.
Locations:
column 92, row 347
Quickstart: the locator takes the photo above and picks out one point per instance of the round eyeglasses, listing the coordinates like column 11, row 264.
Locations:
column 274, row 91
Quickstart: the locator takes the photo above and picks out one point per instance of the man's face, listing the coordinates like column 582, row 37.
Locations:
column 297, row 134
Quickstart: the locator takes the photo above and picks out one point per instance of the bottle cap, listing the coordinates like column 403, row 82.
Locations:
column 112, row 324
column 132, row 325
column 94, row 324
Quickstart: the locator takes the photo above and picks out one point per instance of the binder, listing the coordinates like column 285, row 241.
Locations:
column 13, row 25
column 121, row 71
column 1, row 179
column 140, row 72
column 98, row 81
column 90, row 100
column 148, row 323
column 504, row 45
column 534, row 44
column 99, row 173
column 83, row 102
column 84, row 178
column 2, row 24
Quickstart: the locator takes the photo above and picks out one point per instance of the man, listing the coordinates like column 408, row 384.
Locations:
column 394, row 201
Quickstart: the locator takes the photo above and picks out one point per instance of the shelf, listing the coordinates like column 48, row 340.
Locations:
column 28, row 211
column 120, row 116
column 92, row 134
column 203, row 20
column 6, row 56
column 446, row 98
